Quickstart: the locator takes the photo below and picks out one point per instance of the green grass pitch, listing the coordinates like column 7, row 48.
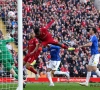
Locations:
column 58, row 86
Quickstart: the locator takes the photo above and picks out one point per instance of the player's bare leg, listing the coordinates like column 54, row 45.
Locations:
column 89, row 69
column 30, row 68
column 61, row 45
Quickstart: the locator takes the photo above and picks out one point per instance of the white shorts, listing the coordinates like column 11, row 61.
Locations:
column 94, row 60
column 53, row 64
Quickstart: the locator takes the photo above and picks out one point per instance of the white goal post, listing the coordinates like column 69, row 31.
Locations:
column 20, row 44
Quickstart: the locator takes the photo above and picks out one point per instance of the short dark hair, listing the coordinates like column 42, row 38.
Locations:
column 93, row 28
column 36, row 30
column 57, row 38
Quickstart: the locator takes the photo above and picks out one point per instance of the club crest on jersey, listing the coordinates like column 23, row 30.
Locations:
column 94, row 62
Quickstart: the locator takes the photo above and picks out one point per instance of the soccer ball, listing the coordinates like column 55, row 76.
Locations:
column 11, row 14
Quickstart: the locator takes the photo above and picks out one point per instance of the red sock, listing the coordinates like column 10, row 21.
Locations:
column 32, row 70
column 64, row 46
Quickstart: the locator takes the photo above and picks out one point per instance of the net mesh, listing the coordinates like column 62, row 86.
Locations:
column 8, row 45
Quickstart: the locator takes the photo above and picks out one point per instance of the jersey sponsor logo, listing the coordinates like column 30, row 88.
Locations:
column 53, row 50
column 31, row 45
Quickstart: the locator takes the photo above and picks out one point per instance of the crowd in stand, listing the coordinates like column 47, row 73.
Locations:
column 72, row 19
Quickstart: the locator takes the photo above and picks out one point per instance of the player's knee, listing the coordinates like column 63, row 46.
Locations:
column 9, row 67
column 89, row 68
column 27, row 65
column 94, row 68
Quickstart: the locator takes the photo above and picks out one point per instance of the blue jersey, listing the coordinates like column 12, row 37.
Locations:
column 54, row 52
column 94, row 47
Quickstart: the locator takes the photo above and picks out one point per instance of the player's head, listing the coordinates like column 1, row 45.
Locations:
column 37, row 30
column 32, row 34
column 92, row 30
column 56, row 39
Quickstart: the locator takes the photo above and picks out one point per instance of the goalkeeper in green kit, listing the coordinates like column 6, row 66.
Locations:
column 6, row 58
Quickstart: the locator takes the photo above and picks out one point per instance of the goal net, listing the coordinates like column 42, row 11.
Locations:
column 9, row 45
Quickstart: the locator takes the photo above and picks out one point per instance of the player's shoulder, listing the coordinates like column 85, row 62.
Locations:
column 34, row 39
column 94, row 36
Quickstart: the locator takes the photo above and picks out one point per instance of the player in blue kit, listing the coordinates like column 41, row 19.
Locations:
column 94, row 60
column 54, row 63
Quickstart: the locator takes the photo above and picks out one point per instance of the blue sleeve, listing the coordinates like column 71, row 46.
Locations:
column 45, row 49
column 54, row 47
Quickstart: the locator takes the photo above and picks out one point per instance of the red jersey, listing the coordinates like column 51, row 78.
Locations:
column 32, row 44
column 44, row 34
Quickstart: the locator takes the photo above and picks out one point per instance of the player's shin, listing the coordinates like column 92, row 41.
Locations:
column 30, row 68
column 49, row 77
column 88, row 77
column 64, row 46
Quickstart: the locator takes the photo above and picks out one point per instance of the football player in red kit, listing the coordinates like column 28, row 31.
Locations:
column 45, row 37
column 33, row 53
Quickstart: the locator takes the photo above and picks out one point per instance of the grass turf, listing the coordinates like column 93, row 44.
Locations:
column 58, row 86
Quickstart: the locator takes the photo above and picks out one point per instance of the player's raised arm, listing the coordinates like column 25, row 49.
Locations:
column 92, row 38
column 49, row 24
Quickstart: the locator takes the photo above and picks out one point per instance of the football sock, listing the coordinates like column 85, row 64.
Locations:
column 16, row 76
column 88, row 77
column 49, row 77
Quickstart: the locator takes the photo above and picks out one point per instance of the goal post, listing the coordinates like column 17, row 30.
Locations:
column 11, row 45
column 20, row 48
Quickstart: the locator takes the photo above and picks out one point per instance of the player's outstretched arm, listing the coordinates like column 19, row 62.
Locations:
column 46, row 48
column 49, row 24
column 9, row 40
column 86, row 45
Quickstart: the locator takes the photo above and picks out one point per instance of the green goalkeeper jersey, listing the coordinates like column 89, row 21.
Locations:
column 5, row 54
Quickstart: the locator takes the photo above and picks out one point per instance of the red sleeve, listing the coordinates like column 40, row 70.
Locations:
column 49, row 24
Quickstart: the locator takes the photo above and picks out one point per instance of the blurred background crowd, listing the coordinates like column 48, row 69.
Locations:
column 72, row 19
